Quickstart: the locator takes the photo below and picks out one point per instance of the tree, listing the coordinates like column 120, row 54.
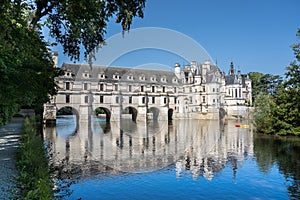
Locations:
column 81, row 22
column 263, row 114
column 288, row 98
column 264, row 84
column 26, row 67
column 278, row 109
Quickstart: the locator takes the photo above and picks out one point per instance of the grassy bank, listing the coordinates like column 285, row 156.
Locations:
column 34, row 179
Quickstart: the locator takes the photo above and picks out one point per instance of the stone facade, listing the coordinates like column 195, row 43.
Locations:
column 194, row 91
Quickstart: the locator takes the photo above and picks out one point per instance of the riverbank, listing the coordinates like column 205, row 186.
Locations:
column 9, row 142
column 34, row 180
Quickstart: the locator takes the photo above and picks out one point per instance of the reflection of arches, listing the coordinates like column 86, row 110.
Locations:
column 101, row 111
column 170, row 114
column 222, row 113
column 155, row 113
column 68, row 110
column 130, row 111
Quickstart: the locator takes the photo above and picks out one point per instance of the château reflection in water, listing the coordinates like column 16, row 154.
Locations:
column 197, row 146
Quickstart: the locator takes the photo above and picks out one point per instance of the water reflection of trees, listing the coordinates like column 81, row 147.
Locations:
column 283, row 151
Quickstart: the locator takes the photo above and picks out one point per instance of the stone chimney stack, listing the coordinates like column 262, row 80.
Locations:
column 55, row 58
column 177, row 70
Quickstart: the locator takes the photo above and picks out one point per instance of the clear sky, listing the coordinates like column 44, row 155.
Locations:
column 255, row 34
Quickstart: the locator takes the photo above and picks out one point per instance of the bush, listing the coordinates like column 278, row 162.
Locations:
column 34, row 179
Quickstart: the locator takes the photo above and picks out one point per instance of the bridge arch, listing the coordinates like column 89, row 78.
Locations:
column 68, row 110
column 130, row 110
column 155, row 113
column 103, row 112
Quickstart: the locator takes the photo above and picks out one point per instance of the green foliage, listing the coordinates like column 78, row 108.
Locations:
column 26, row 67
column 263, row 114
column 34, row 180
column 264, row 84
column 278, row 110
column 99, row 111
column 81, row 22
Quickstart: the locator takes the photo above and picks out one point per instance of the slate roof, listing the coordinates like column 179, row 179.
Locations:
column 78, row 69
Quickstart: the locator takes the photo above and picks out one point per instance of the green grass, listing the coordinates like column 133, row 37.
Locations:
column 34, row 180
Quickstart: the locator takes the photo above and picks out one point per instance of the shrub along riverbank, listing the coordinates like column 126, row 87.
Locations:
column 34, row 179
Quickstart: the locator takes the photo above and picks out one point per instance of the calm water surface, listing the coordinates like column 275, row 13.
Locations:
column 188, row 159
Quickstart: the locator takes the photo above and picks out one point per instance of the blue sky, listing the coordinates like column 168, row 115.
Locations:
column 255, row 35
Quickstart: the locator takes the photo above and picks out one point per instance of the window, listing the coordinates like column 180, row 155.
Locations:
column 235, row 92
column 130, row 99
column 85, row 86
column 203, row 88
column 101, row 87
column 67, row 98
column 101, row 99
column 164, row 89
column 214, row 100
column 165, row 100
column 142, row 88
column 130, row 77
column 116, row 87
column 117, row 99
column 153, row 88
column 101, row 76
column 142, row 77
column 175, row 100
column 203, row 99
column 129, row 88
column 213, row 89
column 153, row 100
column 116, row 76
column 175, row 89
column 67, row 85
column 86, row 99
column 143, row 100
column 191, row 100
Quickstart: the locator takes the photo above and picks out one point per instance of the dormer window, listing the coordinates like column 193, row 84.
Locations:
column 142, row 77
column 153, row 78
column 68, row 74
column 175, row 80
column 116, row 76
column 130, row 77
column 163, row 79
column 85, row 75
column 101, row 76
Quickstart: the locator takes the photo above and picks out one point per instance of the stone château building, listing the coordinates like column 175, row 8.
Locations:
column 194, row 91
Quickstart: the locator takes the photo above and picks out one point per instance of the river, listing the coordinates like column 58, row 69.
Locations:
column 184, row 159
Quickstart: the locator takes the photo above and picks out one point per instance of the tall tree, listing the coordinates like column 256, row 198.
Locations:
column 26, row 68
column 83, row 22
column 278, row 111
